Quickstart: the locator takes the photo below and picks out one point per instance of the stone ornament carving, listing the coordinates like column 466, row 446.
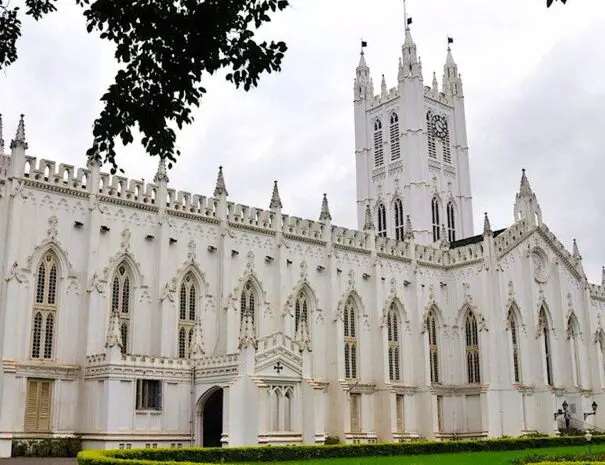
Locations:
column 95, row 284
column 540, row 265
column 114, row 336
column 15, row 273
column 196, row 349
column 125, row 244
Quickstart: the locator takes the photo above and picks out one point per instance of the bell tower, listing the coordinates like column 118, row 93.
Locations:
column 411, row 150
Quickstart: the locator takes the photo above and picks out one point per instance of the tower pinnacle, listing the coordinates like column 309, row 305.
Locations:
column 19, row 140
column 220, row 188
column 275, row 199
column 161, row 175
column 325, row 210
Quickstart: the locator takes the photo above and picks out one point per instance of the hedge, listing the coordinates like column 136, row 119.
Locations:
column 291, row 453
column 49, row 447
column 560, row 459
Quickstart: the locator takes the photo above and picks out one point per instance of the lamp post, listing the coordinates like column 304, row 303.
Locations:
column 594, row 410
column 560, row 412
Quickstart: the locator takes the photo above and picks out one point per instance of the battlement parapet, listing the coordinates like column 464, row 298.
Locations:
column 244, row 215
column 301, row 227
column 185, row 202
column 349, row 238
column 466, row 254
column 378, row 99
column 510, row 237
column 393, row 248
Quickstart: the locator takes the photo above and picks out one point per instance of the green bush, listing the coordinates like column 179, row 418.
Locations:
column 279, row 454
column 332, row 440
column 49, row 447
column 587, row 457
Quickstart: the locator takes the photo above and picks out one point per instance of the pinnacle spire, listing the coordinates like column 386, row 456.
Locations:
column 525, row 189
column 368, row 224
column 19, row 140
column 383, row 87
column 408, row 233
column 1, row 136
column 275, row 200
column 407, row 20
column 445, row 240
column 325, row 210
column 435, row 83
column 161, row 175
column 576, row 251
column 487, row 227
column 220, row 188
column 603, row 276
column 362, row 56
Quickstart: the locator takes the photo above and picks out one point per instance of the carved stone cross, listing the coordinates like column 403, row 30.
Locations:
column 278, row 367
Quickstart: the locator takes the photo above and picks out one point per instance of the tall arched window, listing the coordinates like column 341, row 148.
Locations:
column 378, row 144
column 301, row 311
column 395, row 144
column 399, row 230
column 282, row 405
column 451, row 222
column 447, row 152
column 120, row 302
column 472, row 349
column 394, row 345
column 382, row 220
column 188, row 312
column 350, row 334
column 514, row 342
column 247, row 302
column 431, row 327
column 430, row 135
column 573, row 334
column 435, row 218
column 45, row 308
column 544, row 328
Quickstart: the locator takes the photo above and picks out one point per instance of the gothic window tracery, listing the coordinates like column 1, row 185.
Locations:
column 248, row 302
column 515, row 349
column 378, row 144
column 451, row 221
column 394, row 133
column 574, row 334
column 544, row 328
column 399, row 221
column 281, row 400
column 431, row 326
column 382, row 220
column 121, row 302
column 394, row 344
column 45, row 308
column 188, row 312
column 301, row 311
column 435, row 219
column 351, row 341
column 472, row 349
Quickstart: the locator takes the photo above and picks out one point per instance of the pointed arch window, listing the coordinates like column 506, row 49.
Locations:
column 394, row 344
column 248, row 302
column 351, row 341
column 544, row 327
column 188, row 312
column 301, row 312
column 573, row 334
column 451, row 221
column 45, row 308
column 399, row 228
column 513, row 326
column 378, row 144
column 472, row 349
column 430, row 135
column 435, row 219
column 382, row 220
column 447, row 151
column 431, row 327
column 121, row 302
column 394, row 133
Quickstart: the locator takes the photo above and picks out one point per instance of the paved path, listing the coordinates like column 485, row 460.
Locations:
column 38, row 461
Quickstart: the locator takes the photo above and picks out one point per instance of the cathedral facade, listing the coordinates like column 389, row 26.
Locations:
column 136, row 315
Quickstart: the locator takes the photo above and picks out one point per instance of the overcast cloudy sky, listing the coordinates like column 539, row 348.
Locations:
column 535, row 98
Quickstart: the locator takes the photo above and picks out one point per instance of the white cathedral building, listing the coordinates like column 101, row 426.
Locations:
column 136, row 315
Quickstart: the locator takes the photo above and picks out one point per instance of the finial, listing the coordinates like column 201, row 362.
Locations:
column 445, row 240
column 525, row 189
column 1, row 136
column 275, row 200
column 220, row 188
column 161, row 175
column 435, row 83
column 576, row 251
column 362, row 59
column 487, row 227
column 19, row 140
column 368, row 224
column 325, row 210
column 408, row 233
column 383, row 87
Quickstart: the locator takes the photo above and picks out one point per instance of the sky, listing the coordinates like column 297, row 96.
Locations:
column 534, row 91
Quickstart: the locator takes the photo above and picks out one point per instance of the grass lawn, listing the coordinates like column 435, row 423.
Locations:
column 479, row 458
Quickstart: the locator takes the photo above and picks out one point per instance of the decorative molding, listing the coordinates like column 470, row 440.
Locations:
column 16, row 273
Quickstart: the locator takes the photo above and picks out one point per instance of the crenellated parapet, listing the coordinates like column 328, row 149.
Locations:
column 381, row 99
column 440, row 97
column 597, row 292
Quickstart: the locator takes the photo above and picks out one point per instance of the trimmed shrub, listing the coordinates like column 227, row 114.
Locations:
column 48, row 447
column 586, row 457
column 279, row 454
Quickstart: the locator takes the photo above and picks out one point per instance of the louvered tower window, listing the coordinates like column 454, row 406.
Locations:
column 399, row 220
column 382, row 220
column 394, row 344
column 188, row 303
column 350, row 336
column 120, row 302
column 447, row 152
column 394, row 133
column 472, row 350
column 378, row 144
column 435, row 219
column 451, row 221
column 430, row 135
column 45, row 309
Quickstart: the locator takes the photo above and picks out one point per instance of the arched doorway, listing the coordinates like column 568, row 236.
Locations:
column 212, row 419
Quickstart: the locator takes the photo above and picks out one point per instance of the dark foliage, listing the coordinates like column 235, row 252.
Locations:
column 51, row 447
column 550, row 2
column 165, row 49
